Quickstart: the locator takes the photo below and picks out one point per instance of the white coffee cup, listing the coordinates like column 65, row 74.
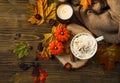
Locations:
column 84, row 45
column 64, row 12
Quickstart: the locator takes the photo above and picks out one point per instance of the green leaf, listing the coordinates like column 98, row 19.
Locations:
column 20, row 46
column 25, row 51
column 21, row 55
column 16, row 51
column 21, row 50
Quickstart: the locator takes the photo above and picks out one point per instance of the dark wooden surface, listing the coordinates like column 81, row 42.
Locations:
column 13, row 20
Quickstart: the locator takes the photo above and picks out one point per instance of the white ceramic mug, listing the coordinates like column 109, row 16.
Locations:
column 84, row 45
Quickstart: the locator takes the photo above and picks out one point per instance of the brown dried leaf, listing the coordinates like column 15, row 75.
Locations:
column 109, row 56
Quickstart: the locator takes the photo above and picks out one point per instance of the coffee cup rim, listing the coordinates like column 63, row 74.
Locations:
column 76, row 55
column 64, row 3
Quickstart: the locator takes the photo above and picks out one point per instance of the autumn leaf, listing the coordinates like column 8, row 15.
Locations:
column 50, row 10
column 21, row 50
column 85, row 3
column 32, row 20
column 51, row 16
column 45, row 5
column 42, row 12
column 109, row 56
column 40, row 8
column 53, row 29
column 47, row 39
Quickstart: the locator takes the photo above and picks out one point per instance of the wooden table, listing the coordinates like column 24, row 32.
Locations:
column 13, row 20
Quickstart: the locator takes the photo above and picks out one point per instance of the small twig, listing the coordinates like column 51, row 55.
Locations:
column 72, row 57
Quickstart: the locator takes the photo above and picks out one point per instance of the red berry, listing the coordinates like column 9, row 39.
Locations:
column 43, row 80
column 41, row 57
column 47, row 57
column 36, row 79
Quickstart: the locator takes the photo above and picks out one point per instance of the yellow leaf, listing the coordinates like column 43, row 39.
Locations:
column 85, row 3
column 52, row 16
column 48, row 52
column 45, row 4
column 39, row 22
column 50, row 9
column 47, row 39
column 40, row 8
column 53, row 29
column 32, row 20
column 46, row 36
column 35, row 9
column 44, row 11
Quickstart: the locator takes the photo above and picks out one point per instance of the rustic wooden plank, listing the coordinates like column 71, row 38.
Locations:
column 65, row 75
column 66, row 78
column 58, row 78
column 14, row 1
column 3, row 1
column 58, row 74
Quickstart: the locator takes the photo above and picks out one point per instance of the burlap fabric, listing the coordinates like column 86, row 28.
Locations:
column 102, row 18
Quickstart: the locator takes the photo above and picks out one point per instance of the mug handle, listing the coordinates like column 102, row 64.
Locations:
column 100, row 38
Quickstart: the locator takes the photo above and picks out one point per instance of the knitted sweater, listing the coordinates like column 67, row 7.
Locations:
column 102, row 19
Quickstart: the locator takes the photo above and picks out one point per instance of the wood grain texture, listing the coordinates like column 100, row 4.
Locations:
column 13, row 20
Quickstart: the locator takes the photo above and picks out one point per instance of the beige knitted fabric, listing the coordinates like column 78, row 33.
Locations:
column 103, row 18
